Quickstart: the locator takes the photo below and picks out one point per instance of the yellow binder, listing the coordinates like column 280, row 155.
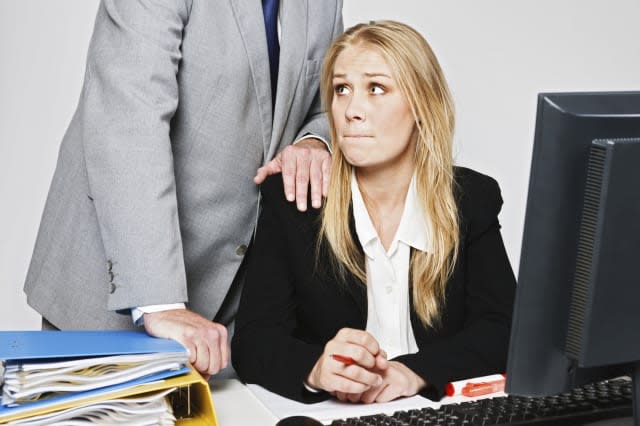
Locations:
column 191, row 388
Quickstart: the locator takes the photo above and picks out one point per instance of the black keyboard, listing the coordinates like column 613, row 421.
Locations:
column 593, row 402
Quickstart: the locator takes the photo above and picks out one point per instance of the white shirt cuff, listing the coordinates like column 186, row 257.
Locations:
column 310, row 389
column 137, row 314
column 311, row 135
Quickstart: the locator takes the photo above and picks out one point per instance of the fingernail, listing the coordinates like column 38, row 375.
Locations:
column 289, row 197
column 378, row 381
column 315, row 204
column 302, row 206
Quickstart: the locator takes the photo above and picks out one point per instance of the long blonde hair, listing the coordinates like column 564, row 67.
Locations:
column 418, row 73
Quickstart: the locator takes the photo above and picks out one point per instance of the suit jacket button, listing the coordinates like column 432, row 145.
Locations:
column 241, row 250
column 112, row 288
column 111, row 276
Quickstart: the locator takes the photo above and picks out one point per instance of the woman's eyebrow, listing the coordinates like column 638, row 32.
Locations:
column 365, row 74
column 376, row 74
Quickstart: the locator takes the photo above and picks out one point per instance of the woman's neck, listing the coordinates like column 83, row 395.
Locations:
column 384, row 194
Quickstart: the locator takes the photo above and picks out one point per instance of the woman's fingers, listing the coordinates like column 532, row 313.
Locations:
column 372, row 394
column 357, row 345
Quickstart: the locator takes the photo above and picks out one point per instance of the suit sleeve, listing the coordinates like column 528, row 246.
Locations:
column 316, row 121
column 131, row 94
column 264, row 349
column 481, row 346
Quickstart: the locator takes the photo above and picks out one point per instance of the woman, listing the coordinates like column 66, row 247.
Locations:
column 401, row 282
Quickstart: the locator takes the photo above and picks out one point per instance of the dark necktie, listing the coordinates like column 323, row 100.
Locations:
column 270, row 12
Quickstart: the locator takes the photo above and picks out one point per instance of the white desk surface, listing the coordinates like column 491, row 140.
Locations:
column 235, row 405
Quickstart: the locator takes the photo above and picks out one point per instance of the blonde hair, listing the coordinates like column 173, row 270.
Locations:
column 421, row 81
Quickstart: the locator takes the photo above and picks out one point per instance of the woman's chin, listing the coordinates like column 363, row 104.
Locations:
column 357, row 158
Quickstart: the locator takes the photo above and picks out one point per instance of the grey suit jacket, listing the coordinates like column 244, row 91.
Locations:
column 152, row 200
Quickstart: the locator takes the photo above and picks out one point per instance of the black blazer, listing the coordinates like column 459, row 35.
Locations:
column 291, row 305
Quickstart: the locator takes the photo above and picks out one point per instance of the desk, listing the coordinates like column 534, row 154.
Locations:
column 236, row 406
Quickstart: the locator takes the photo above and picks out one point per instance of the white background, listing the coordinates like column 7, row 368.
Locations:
column 496, row 54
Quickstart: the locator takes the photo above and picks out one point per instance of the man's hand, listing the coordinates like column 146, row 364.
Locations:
column 205, row 339
column 307, row 161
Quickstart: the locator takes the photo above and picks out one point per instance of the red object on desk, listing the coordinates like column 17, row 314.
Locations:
column 476, row 386
column 483, row 388
column 346, row 360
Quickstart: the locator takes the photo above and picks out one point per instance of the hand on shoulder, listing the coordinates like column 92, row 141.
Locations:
column 307, row 162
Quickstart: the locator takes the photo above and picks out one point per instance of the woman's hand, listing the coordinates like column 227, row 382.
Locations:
column 339, row 378
column 397, row 380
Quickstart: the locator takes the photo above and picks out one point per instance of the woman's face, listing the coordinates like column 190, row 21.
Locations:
column 374, row 125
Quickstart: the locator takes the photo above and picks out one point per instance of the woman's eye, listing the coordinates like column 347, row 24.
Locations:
column 376, row 90
column 341, row 89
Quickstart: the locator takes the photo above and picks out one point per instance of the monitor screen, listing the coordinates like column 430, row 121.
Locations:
column 566, row 126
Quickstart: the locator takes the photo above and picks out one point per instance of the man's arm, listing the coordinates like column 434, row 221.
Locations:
column 130, row 97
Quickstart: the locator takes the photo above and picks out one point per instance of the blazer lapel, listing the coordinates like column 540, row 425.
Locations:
column 349, row 286
column 250, row 20
column 357, row 289
column 293, row 42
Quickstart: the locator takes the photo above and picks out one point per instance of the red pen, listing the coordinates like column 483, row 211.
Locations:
column 483, row 388
column 346, row 360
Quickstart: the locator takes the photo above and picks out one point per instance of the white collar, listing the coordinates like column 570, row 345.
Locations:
column 413, row 228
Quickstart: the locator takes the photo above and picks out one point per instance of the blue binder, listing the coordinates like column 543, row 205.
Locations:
column 49, row 346
column 53, row 345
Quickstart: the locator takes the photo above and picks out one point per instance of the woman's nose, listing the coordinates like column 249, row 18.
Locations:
column 355, row 109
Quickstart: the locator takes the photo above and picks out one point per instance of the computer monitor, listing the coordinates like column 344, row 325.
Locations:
column 577, row 308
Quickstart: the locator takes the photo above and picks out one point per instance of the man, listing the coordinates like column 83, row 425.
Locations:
column 152, row 204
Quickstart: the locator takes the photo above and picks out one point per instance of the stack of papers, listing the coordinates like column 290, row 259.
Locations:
column 152, row 409
column 33, row 381
column 88, row 377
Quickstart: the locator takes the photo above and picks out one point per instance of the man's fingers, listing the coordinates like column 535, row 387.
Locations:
column 304, row 163
column 205, row 340
column 221, row 349
column 315, row 174
column 326, row 175
column 302, row 178
column 271, row 168
column 261, row 175
column 191, row 350
column 213, row 345
column 289, row 169
column 225, row 350
column 202, row 357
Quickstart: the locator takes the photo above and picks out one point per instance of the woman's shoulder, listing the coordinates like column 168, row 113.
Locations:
column 478, row 195
column 273, row 186
column 471, row 182
column 272, row 190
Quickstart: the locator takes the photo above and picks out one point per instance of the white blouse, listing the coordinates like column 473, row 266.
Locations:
column 388, row 301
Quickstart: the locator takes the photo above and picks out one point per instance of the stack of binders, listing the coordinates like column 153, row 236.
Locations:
column 107, row 377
